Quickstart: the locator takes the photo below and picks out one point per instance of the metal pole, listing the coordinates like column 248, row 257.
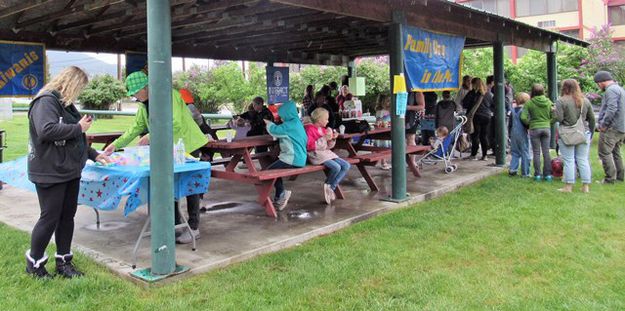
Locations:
column 500, row 117
column 552, row 85
column 398, row 132
column 351, row 69
column 161, row 143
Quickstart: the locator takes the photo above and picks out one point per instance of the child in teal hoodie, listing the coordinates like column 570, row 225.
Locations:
column 292, row 138
column 538, row 114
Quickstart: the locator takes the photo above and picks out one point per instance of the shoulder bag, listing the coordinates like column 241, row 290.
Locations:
column 468, row 127
column 574, row 134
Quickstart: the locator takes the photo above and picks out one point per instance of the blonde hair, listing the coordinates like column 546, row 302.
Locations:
column 479, row 86
column 522, row 98
column 442, row 131
column 319, row 113
column 69, row 82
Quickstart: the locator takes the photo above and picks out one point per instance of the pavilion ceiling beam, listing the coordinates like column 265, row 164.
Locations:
column 68, row 10
column 21, row 7
column 213, row 14
column 265, row 24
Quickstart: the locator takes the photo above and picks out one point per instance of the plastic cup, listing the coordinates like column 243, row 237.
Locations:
column 342, row 129
column 229, row 137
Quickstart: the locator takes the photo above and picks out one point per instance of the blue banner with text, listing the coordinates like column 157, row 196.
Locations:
column 432, row 61
column 22, row 68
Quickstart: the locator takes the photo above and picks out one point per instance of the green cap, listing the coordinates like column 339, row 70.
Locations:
column 135, row 82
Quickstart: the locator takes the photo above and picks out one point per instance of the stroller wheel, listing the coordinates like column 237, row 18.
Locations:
column 449, row 169
column 454, row 167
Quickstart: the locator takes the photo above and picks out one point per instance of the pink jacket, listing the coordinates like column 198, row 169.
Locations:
column 318, row 147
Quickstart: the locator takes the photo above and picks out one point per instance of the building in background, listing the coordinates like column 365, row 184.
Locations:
column 576, row 18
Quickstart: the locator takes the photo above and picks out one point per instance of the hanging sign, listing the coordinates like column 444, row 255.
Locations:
column 22, row 68
column 431, row 60
column 136, row 61
column 277, row 84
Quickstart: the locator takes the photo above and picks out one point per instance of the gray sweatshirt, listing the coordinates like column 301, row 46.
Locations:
column 612, row 112
column 58, row 148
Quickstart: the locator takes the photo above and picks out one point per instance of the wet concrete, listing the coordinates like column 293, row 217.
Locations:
column 234, row 227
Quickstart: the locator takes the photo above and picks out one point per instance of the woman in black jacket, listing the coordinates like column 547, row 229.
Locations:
column 57, row 154
column 479, row 95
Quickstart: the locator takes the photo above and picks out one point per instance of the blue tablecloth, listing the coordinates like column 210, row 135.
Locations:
column 103, row 187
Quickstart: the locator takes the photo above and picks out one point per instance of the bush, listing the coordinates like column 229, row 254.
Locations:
column 101, row 92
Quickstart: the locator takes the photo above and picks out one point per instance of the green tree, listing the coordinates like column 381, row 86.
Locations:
column 377, row 81
column 101, row 92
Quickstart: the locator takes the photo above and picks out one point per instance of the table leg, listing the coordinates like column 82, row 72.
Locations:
column 141, row 235
column 247, row 159
column 365, row 174
column 264, row 190
column 185, row 224
column 233, row 163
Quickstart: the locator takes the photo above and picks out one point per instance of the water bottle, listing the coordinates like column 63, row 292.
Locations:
column 179, row 152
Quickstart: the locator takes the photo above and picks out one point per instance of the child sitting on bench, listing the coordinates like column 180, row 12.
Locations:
column 320, row 142
column 292, row 139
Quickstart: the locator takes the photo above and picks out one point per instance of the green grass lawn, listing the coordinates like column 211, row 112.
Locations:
column 503, row 243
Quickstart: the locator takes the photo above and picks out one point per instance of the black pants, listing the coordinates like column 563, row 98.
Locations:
column 480, row 134
column 58, row 204
column 193, row 208
column 278, row 184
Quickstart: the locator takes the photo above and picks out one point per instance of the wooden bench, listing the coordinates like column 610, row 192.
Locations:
column 265, row 180
column 373, row 158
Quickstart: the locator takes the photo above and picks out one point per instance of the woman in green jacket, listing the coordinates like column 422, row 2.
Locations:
column 184, row 127
column 538, row 115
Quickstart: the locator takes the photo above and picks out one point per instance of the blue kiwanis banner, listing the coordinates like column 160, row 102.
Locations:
column 432, row 61
column 136, row 61
column 277, row 84
column 22, row 68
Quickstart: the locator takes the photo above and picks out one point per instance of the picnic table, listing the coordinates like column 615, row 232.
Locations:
column 103, row 138
column 241, row 150
column 108, row 137
column 346, row 142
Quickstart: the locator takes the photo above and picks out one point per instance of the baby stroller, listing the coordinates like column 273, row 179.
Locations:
column 444, row 151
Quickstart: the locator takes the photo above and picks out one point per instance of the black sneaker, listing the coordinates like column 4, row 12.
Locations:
column 65, row 268
column 37, row 268
column 512, row 173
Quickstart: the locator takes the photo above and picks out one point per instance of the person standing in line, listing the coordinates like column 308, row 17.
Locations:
column 572, row 107
column 519, row 142
column 308, row 100
column 538, row 115
column 344, row 95
column 611, row 125
column 414, row 108
column 462, row 92
column 57, row 154
column 479, row 100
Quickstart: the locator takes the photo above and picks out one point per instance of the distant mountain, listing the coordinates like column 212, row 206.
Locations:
column 93, row 66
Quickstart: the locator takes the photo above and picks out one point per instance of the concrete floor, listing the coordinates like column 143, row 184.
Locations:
column 235, row 228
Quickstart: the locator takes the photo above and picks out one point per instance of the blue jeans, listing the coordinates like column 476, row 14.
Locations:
column 572, row 155
column 519, row 149
column 337, row 168
column 278, row 184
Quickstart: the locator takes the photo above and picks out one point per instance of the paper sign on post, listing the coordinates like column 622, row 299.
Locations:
column 399, row 84
column 401, row 99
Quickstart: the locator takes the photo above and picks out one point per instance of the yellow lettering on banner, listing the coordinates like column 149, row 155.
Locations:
column 17, row 67
column 427, row 46
column 28, row 59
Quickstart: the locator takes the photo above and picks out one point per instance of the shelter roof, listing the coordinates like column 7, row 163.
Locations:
column 292, row 31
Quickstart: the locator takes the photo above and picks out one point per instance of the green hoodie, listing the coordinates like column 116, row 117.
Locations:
column 537, row 113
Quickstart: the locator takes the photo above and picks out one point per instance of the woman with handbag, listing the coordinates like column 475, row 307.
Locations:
column 573, row 110
column 477, row 104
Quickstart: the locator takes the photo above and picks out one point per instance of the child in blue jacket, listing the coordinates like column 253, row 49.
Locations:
column 519, row 142
column 292, row 138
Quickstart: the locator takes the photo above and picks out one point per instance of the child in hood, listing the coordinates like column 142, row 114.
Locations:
column 292, row 139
